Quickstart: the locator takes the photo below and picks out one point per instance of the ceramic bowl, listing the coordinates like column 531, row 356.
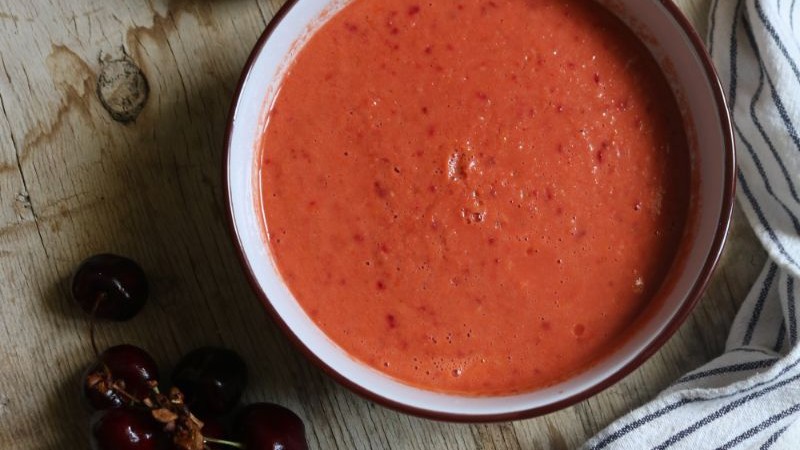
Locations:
column 674, row 43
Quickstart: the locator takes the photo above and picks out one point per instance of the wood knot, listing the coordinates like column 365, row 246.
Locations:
column 122, row 88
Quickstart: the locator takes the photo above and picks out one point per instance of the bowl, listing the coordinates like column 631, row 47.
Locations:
column 679, row 50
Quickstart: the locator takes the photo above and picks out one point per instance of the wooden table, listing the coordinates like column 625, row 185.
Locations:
column 76, row 181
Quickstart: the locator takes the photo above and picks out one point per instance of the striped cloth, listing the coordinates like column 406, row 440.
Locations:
column 748, row 398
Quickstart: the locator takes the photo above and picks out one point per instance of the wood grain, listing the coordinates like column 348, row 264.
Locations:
column 74, row 181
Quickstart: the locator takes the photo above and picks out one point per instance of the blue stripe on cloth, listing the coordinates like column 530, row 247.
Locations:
column 791, row 15
column 765, row 178
column 638, row 423
column 751, row 350
column 712, row 27
column 771, row 421
column 742, row 182
column 789, row 180
column 790, row 303
column 781, row 338
column 750, row 365
column 787, row 121
column 761, row 218
column 671, row 407
column 722, row 412
column 773, row 439
column 733, row 57
column 777, row 39
column 776, row 98
column 759, row 306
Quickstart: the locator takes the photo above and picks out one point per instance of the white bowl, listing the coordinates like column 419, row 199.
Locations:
column 679, row 50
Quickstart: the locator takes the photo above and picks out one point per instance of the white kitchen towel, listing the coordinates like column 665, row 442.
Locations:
column 748, row 398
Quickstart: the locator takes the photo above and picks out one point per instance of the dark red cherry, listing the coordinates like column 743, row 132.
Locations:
column 266, row 426
column 127, row 429
column 211, row 379
column 126, row 364
column 98, row 391
column 214, row 429
column 110, row 287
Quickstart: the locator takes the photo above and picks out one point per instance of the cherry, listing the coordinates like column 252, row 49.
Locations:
column 211, row 379
column 98, row 391
column 215, row 430
column 127, row 429
column 110, row 287
column 129, row 366
column 266, row 426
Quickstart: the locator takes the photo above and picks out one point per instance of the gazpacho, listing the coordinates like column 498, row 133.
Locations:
column 474, row 197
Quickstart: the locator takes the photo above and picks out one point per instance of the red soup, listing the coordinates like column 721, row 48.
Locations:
column 474, row 197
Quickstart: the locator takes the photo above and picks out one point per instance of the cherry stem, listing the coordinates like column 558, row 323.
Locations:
column 93, row 320
column 124, row 393
column 209, row 440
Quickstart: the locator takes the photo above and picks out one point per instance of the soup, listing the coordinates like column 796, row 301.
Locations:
column 474, row 197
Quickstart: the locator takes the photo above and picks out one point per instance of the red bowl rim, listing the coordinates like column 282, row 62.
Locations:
column 672, row 326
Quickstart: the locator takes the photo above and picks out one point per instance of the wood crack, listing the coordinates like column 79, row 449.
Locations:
column 5, row 70
column 180, row 77
column 261, row 13
column 26, row 192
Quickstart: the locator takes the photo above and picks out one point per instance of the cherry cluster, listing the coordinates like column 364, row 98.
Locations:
column 132, row 412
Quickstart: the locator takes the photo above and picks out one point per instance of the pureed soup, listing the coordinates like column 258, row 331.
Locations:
column 474, row 197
